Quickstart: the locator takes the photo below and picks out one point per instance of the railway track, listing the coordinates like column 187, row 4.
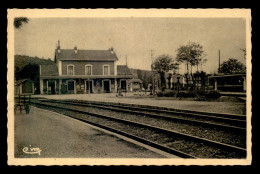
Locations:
column 180, row 144
column 232, row 122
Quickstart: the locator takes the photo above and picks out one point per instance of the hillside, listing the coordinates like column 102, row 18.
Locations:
column 22, row 61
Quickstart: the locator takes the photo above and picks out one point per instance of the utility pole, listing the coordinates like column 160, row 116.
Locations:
column 218, row 61
column 125, row 60
column 244, row 51
column 125, row 74
column 153, row 87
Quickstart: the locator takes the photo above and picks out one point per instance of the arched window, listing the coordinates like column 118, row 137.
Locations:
column 106, row 70
column 70, row 70
column 88, row 69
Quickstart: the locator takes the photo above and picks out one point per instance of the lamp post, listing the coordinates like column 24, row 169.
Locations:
column 178, row 83
column 125, row 84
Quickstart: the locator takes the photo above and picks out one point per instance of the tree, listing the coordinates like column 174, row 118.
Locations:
column 191, row 54
column 139, row 74
column 16, row 73
column 232, row 66
column 145, row 80
column 18, row 22
column 201, row 77
column 164, row 63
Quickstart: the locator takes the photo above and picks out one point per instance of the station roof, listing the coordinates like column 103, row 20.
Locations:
column 94, row 55
column 226, row 75
column 136, row 80
column 123, row 70
column 49, row 70
column 18, row 82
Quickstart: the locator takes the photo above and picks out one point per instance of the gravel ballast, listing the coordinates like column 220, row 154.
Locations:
column 196, row 149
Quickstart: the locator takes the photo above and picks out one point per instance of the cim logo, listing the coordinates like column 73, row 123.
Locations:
column 32, row 150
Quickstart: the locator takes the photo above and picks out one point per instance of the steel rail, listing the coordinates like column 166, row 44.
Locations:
column 231, row 117
column 239, row 150
column 172, row 118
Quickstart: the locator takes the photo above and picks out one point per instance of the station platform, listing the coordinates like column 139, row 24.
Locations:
column 54, row 135
column 206, row 106
column 237, row 94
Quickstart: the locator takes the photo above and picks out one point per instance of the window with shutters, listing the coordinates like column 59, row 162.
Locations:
column 106, row 70
column 70, row 70
column 88, row 69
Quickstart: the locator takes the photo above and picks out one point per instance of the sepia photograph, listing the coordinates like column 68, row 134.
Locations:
column 129, row 87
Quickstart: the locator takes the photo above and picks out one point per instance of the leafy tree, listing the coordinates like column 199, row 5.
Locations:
column 192, row 55
column 139, row 74
column 232, row 66
column 202, row 78
column 18, row 22
column 164, row 63
column 16, row 73
column 145, row 80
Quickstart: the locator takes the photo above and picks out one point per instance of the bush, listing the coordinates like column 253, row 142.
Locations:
column 200, row 98
column 166, row 93
column 185, row 94
column 159, row 94
column 212, row 95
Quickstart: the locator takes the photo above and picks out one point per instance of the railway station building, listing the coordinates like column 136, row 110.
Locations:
column 79, row 71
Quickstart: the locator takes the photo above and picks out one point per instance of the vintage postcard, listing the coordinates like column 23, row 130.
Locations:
column 129, row 87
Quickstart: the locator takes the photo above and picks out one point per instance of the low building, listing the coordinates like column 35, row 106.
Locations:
column 135, row 85
column 83, row 71
column 228, row 82
column 24, row 87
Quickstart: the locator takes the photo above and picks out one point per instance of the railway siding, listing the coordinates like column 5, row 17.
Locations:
column 176, row 143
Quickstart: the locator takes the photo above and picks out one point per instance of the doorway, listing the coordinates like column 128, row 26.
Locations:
column 106, row 86
column 51, row 87
column 123, row 85
column 71, row 87
column 89, row 86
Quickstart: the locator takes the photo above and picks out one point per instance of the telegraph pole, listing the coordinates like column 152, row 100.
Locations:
column 218, row 61
column 125, row 74
column 244, row 51
column 126, row 60
column 153, row 87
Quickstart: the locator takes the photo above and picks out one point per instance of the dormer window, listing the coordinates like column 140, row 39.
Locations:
column 88, row 69
column 106, row 70
column 70, row 70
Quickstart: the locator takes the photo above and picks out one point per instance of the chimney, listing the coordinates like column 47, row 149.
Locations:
column 75, row 49
column 111, row 50
column 58, row 47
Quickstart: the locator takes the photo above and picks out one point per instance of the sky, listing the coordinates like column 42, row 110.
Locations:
column 134, row 38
